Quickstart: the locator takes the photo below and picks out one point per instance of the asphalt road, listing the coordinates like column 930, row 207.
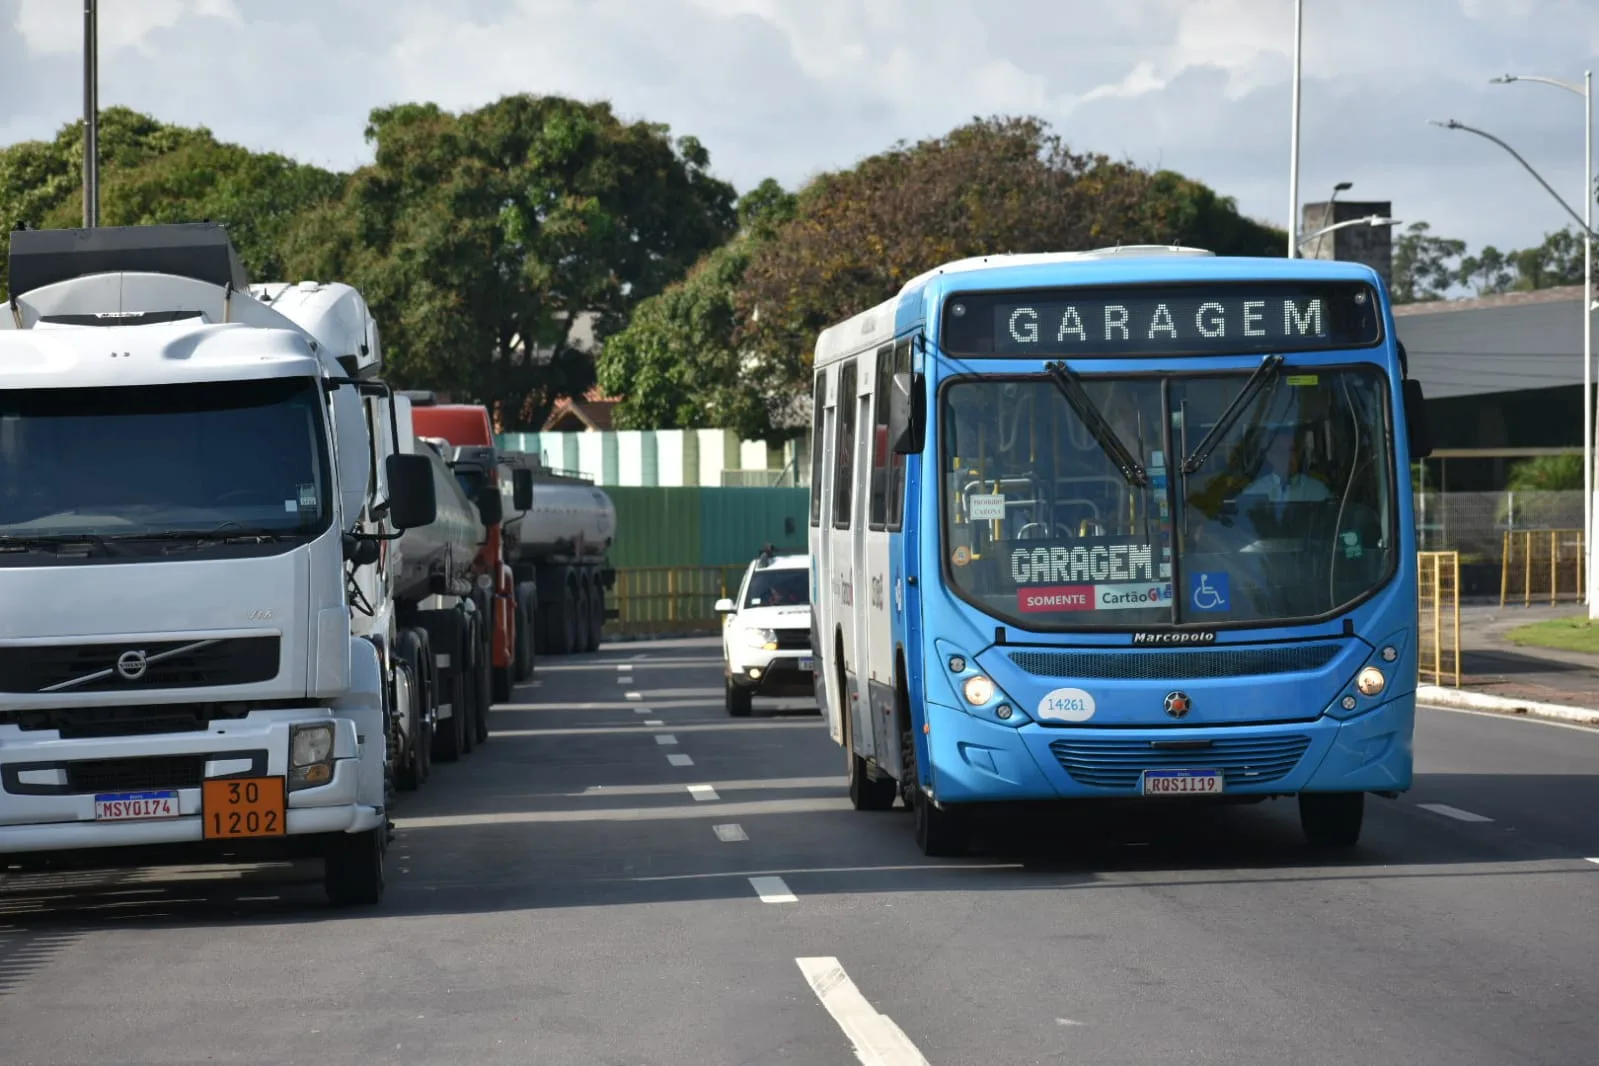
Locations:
column 573, row 894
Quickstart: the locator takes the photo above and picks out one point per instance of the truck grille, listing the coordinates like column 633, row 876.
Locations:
column 134, row 775
column 1173, row 665
column 79, row 723
column 71, row 668
column 1113, row 763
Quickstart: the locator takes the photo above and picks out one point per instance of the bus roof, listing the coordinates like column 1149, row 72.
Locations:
column 1129, row 264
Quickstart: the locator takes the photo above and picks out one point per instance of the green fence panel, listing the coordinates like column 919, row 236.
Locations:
column 655, row 526
column 736, row 523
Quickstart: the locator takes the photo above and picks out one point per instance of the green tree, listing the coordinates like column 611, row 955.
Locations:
column 1424, row 265
column 483, row 240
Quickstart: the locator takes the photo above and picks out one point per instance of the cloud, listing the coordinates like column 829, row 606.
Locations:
column 788, row 88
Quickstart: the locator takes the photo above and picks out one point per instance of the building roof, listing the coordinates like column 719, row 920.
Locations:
column 592, row 412
column 1505, row 343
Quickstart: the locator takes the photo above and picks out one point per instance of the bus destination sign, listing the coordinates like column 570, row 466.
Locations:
column 1214, row 319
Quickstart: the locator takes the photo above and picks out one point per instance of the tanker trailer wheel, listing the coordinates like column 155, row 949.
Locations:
column 410, row 651
column 576, row 618
column 596, row 615
column 469, row 674
column 526, row 618
column 486, row 676
column 449, row 739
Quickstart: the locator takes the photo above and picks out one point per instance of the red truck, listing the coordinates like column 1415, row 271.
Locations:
column 470, row 436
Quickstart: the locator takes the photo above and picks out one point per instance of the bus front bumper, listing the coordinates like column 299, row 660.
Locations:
column 978, row 761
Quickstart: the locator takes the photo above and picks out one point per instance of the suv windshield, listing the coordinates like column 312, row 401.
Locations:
column 778, row 588
column 164, row 459
column 1289, row 515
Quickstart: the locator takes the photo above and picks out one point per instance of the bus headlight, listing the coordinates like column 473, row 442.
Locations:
column 978, row 690
column 1370, row 681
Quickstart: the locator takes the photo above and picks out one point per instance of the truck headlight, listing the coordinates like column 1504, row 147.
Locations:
column 310, row 754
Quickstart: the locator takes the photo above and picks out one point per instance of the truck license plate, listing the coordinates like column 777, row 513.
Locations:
column 134, row 806
column 244, row 807
column 1182, row 782
column 807, row 663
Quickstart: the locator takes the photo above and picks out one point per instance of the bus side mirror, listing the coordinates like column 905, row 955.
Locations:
column 412, row 500
column 1416, row 420
column 522, row 490
column 490, row 505
column 905, row 420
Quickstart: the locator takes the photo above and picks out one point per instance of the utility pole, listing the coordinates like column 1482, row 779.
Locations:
column 1293, row 152
column 91, row 115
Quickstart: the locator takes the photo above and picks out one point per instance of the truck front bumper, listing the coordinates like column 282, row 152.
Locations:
column 48, row 786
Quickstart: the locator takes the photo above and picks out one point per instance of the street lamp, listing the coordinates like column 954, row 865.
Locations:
column 1342, row 186
column 1588, row 303
column 91, row 114
column 1369, row 220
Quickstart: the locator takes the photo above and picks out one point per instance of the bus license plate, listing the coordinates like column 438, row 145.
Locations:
column 1182, row 782
column 244, row 807
column 808, row 664
column 134, row 806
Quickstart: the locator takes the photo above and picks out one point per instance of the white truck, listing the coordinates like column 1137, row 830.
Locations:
column 186, row 488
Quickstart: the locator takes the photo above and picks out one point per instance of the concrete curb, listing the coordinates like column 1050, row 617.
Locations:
column 1476, row 701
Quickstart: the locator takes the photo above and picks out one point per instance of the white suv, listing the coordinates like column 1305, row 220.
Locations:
column 766, row 632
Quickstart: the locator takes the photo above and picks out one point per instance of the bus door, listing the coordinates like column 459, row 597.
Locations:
column 843, row 559
column 824, row 610
column 877, row 580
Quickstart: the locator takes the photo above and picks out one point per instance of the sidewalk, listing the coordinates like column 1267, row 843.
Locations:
column 1496, row 675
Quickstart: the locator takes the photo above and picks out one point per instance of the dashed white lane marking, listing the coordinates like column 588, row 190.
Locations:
column 665, row 740
column 641, row 655
column 1453, row 812
column 634, row 695
column 730, row 833
column 1066, row 1021
column 703, row 792
column 772, row 890
column 653, row 721
column 624, row 666
column 1594, row 861
column 683, row 760
column 876, row 1039
column 624, row 679
column 643, row 710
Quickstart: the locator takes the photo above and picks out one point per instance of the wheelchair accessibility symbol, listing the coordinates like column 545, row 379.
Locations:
column 1208, row 592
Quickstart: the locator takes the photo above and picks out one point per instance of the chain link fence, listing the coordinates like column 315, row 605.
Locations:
column 1512, row 546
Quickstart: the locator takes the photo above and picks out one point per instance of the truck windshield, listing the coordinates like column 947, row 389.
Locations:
column 167, row 459
column 1289, row 516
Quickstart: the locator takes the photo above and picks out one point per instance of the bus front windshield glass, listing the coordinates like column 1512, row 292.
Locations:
column 1288, row 515
column 169, row 460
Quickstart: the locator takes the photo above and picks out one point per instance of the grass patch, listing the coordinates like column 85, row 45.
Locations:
column 1576, row 633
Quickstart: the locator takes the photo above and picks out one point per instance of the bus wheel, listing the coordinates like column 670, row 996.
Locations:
column 939, row 833
column 1332, row 819
column 867, row 794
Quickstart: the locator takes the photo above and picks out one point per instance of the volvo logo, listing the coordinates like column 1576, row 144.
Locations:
column 132, row 664
column 1178, row 704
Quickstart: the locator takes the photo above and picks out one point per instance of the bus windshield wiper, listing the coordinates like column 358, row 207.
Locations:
column 1266, row 373
column 1071, row 388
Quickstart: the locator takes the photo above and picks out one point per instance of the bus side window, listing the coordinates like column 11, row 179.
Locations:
column 844, row 454
column 880, row 387
column 896, row 462
column 818, row 405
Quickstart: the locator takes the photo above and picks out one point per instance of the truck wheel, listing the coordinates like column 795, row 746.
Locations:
column 596, row 616
column 526, row 616
column 580, row 618
column 485, row 678
column 407, row 768
column 353, row 869
column 470, row 672
column 410, row 652
column 1332, row 819
column 449, row 739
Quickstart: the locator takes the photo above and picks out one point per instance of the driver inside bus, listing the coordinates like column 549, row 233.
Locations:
column 1284, row 479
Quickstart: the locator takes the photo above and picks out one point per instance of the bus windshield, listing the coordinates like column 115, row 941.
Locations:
column 1286, row 514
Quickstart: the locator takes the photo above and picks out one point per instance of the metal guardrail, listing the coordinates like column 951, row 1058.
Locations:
column 1539, row 562
column 1438, row 622
column 668, row 599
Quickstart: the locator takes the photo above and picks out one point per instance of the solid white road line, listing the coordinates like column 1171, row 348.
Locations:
column 665, row 740
column 772, row 890
column 682, row 760
column 1453, row 812
column 730, row 833
column 876, row 1039
column 703, row 792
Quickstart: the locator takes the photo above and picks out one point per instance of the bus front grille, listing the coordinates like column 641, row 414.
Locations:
column 1136, row 664
column 1119, row 763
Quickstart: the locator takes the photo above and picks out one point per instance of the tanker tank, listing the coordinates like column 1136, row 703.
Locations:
column 445, row 547
column 567, row 520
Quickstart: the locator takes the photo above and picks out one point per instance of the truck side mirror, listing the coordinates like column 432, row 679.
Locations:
column 522, row 490
column 1416, row 420
column 905, row 413
column 412, row 500
column 490, row 505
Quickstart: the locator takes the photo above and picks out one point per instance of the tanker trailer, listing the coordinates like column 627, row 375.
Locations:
column 558, row 545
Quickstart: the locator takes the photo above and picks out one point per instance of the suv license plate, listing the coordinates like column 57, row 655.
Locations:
column 1182, row 782
column 807, row 663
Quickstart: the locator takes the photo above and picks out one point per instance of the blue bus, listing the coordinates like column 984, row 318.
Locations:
column 1133, row 522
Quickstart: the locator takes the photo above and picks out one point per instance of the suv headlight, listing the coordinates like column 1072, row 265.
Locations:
column 764, row 639
column 310, row 754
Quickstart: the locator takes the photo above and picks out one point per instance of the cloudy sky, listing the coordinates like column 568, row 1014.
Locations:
column 787, row 88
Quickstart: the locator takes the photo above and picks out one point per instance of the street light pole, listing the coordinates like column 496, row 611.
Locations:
column 1590, row 504
column 1293, row 152
column 91, row 115
column 1369, row 220
column 1342, row 186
